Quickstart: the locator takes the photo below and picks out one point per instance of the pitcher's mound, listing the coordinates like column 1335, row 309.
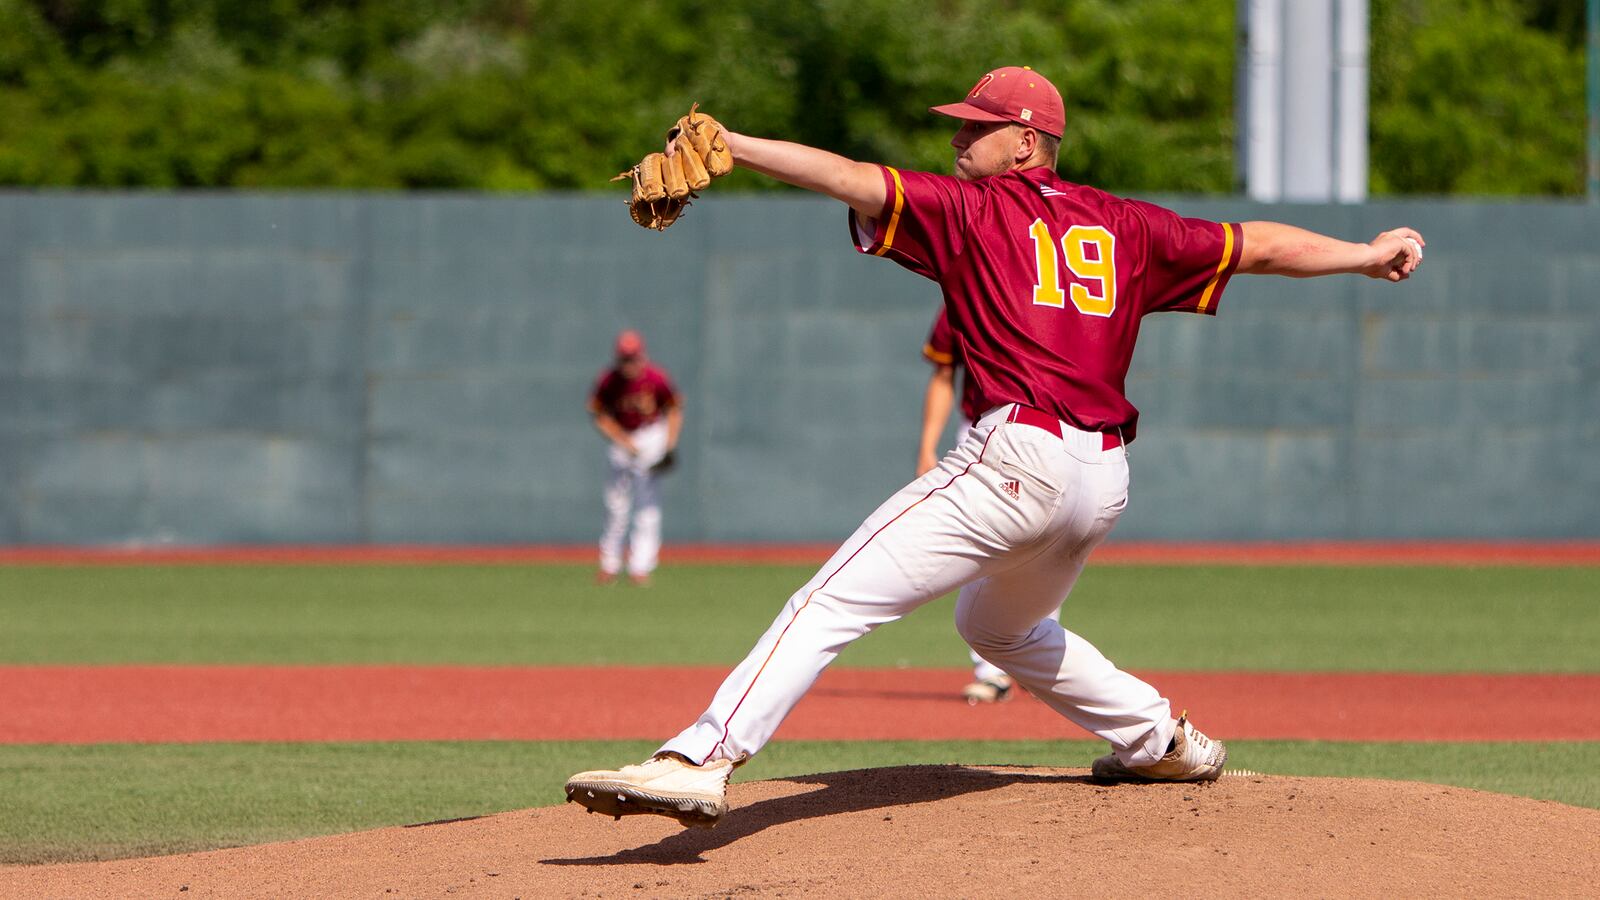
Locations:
column 927, row 831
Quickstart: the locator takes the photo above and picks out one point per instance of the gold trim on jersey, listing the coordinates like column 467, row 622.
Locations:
column 1227, row 256
column 943, row 359
column 894, row 217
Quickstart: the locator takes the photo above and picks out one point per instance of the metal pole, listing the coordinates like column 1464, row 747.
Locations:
column 1242, row 115
column 1594, row 101
column 1263, row 105
column 1352, row 26
column 1307, row 123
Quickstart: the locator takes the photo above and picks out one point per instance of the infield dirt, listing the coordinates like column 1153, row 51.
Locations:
column 927, row 831
column 99, row 704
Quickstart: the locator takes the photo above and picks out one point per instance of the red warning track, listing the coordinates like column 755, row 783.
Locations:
column 77, row 705
column 1402, row 553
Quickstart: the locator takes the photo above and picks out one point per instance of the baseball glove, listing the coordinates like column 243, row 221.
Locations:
column 651, row 205
column 702, row 135
column 662, row 184
column 666, row 463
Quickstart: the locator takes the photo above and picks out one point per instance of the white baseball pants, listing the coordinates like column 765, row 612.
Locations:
column 982, row 669
column 1009, row 516
column 632, row 488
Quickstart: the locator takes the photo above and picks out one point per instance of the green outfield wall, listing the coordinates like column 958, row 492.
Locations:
column 206, row 368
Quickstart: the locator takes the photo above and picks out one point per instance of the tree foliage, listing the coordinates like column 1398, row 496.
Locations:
column 1469, row 97
column 1480, row 96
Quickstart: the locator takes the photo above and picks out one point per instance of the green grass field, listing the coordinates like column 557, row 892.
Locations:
column 111, row 801
column 102, row 801
column 1300, row 619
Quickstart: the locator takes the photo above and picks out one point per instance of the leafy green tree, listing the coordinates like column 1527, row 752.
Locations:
column 1476, row 96
column 1467, row 98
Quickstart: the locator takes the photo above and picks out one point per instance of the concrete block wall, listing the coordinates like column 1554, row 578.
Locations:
column 221, row 368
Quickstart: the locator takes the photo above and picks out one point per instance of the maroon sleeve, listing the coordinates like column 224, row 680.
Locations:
column 923, row 223
column 1189, row 261
column 941, row 346
column 599, row 398
column 666, row 393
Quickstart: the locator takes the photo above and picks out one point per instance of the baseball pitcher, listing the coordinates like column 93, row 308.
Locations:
column 1045, row 283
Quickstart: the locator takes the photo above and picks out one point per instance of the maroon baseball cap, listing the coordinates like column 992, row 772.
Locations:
column 629, row 343
column 1012, row 94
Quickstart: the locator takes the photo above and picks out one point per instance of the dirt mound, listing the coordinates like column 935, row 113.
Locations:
column 926, row 831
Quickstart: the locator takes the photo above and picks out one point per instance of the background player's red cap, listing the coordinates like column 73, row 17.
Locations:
column 1012, row 94
column 629, row 343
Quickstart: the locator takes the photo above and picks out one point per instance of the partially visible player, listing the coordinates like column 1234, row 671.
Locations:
column 1046, row 283
column 990, row 684
column 639, row 411
column 938, row 399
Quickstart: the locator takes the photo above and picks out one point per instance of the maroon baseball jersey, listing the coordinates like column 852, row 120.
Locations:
column 943, row 349
column 633, row 402
column 1045, row 281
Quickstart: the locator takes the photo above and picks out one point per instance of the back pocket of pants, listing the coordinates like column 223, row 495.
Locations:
column 1028, row 476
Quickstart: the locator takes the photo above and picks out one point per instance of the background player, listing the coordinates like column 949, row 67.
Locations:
column 1045, row 282
column 990, row 684
column 639, row 411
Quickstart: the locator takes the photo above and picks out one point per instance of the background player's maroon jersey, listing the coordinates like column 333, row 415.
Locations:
column 633, row 402
column 942, row 349
column 1045, row 281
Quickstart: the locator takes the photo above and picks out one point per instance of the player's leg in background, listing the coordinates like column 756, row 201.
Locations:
column 983, row 670
column 1011, row 618
column 990, row 683
column 618, row 498
column 644, row 546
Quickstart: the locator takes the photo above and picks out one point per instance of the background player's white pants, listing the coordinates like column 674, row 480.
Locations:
column 631, row 487
column 1018, row 558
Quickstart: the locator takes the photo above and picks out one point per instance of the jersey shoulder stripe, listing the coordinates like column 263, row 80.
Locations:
column 894, row 216
column 1222, row 267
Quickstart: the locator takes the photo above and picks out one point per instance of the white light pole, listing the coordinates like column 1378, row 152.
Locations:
column 1304, row 118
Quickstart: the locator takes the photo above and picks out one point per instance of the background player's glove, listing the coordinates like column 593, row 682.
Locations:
column 665, row 463
column 662, row 185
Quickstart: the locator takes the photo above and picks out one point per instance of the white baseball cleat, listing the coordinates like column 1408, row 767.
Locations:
column 665, row 785
column 1193, row 757
column 989, row 690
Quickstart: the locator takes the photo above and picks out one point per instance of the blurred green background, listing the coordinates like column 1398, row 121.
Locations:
column 1467, row 96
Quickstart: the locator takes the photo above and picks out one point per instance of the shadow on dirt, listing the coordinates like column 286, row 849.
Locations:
column 442, row 822
column 841, row 792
